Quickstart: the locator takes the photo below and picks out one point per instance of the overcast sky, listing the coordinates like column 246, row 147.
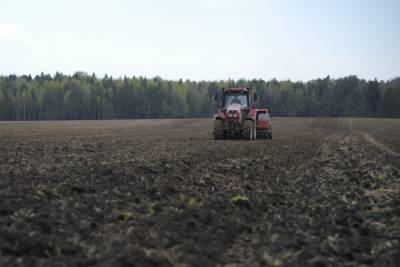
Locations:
column 202, row 39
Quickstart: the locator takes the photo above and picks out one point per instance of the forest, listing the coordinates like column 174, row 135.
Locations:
column 82, row 96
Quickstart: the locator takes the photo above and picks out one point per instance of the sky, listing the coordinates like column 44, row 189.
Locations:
column 202, row 39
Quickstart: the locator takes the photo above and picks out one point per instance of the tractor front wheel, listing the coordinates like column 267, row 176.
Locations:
column 218, row 130
column 248, row 129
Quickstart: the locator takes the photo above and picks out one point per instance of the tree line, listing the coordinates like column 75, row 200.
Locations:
column 83, row 96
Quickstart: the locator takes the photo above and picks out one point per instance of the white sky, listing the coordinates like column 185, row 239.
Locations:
column 203, row 39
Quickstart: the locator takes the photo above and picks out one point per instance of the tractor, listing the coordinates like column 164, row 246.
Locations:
column 237, row 116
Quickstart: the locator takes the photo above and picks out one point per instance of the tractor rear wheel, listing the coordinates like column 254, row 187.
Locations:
column 248, row 129
column 218, row 130
column 270, row 132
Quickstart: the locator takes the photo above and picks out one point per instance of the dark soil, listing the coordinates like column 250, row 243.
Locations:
column 323, row 192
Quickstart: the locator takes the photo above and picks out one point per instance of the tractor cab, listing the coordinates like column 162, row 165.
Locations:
column 240, row 98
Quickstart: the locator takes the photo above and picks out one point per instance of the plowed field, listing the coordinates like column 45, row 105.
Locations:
column 323, row 192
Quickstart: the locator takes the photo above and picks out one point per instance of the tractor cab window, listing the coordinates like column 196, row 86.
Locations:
column 236, row 99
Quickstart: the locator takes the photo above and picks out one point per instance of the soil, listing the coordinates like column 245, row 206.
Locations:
column 323, row 192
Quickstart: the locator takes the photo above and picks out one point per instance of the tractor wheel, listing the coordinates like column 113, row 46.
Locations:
column 218, row 130
column 269, row 132
column 248, row 130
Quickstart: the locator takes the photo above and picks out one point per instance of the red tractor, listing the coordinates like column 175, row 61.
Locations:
column 237, row 116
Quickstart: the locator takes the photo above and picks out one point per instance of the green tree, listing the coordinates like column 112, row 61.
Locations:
column 373, row 96
column 389, row 104
column 83, row 96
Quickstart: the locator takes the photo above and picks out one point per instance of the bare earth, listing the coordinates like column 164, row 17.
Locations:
column 323, row 192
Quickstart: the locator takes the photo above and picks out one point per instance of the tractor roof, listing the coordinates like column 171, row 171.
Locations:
column 236, row 90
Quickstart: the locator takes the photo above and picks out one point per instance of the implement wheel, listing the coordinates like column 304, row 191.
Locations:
column 218, row 130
